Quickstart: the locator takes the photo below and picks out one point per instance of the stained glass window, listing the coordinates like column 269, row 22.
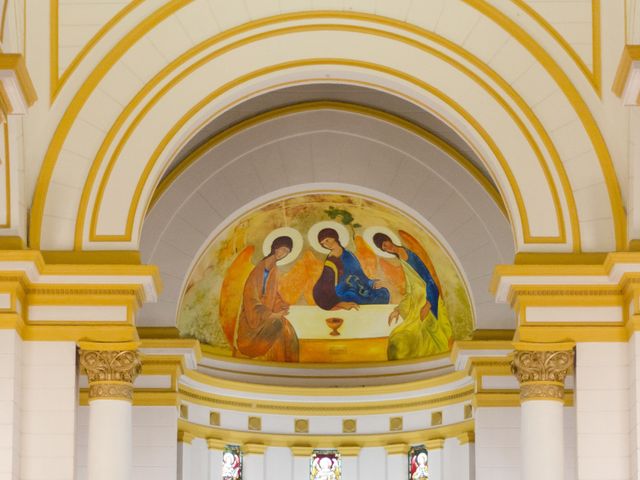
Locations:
column 325, row 465
column 418, row 463
column 231, row 463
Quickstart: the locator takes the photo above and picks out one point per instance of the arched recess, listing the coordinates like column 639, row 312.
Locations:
column 326, row 147
column 527, row 147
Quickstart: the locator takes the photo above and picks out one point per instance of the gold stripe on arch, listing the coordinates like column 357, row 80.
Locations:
column 540, row 130
column 445, row 147
column 507, row 24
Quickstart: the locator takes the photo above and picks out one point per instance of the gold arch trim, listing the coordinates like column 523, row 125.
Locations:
column 594, row 75
column 57, row 81
column 504, row 164
column 507, row 24
column 445, row 147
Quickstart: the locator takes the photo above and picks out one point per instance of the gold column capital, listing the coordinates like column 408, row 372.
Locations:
column 434, row 443
column 111, row 369
column 397, row 449
column 216, row 444
column 541, row 369
column 301, row 450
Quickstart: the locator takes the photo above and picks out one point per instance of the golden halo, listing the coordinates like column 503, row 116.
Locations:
column 368, row 237
column 292, row 233
column 312, row 235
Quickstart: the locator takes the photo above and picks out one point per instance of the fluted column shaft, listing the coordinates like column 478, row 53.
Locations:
column 541, row 370
column 111, row 370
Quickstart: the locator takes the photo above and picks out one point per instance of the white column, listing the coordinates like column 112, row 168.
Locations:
column 301, row 462
column 184, row 455
column 216, row 447
column 111, row 369
column 397, row 461
column 349, row 462
column 253, row 461
column 435, row 448
column 541, row 370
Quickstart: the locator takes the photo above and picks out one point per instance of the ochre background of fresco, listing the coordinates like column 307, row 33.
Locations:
column 200, row 308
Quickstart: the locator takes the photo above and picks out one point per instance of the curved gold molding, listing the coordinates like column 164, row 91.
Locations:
column 436, row 435
column 421, row 84
column 445, row 147
column 594, row 76
column 506, row 23
column 57, row 81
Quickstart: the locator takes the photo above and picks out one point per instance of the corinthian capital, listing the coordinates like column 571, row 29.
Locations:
column 541, row 369
column 111, row 371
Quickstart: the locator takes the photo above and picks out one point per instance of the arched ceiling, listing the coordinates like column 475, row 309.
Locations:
column 148, row 96
column 327, row 147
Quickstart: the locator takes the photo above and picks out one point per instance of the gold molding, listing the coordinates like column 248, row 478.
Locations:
column 463, row 394
column 436, row 418
column 434, row 37
column 301, row 450
column 349, row 450
column 466, row 437
column 396, row 424
column 301, row 425
column 58, row 81
column 214, row 419
column 215, row 444
column 541, row 369
column 630, row 54
column 15, row 63
column 254, row 448
column 328, row 441
column 254, row 424
column 397, row 449
column 110, row 371
column 349, row 425
column 435, row 443
column 185, row 437
column 594, row 76
column 237, row 128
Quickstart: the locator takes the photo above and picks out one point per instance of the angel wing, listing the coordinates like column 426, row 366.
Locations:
column 368, row 259
column 300, row 279
column 410, row 242
column 231, row 291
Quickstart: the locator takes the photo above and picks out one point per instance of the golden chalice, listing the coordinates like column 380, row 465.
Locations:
column 334, row 323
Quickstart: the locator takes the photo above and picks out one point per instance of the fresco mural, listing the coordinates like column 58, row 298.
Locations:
column 325, row 277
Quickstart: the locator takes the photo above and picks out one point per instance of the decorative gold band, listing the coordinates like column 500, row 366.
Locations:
column 111, row 391
column 542, row 391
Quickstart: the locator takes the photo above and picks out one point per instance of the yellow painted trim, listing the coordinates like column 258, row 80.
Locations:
column 322, row 391
column 7, row 166
column 68, row 120
column 15, row 62
column 361, row 407
column 3, row 21
column 167, row 181
column 5, row 104
column 325, row 441
column 544, row 347
column 54, row 60
column 592, row 75
column 115, row 257
column 509, row 398
column 12, row 242
column 530, row 258
column 630, row 54
column 366, row 30
column 107, row 346
column 57, row 81
column 579, row 106
column 158, row 332
column 78, row 102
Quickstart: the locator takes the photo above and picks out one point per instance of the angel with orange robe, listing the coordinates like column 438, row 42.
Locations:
column 425, row 328
column 263, row 329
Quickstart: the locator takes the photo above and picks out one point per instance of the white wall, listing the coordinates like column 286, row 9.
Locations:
column 49, row 399
column 602, row 408
column 10, row 393
column 497, row 443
